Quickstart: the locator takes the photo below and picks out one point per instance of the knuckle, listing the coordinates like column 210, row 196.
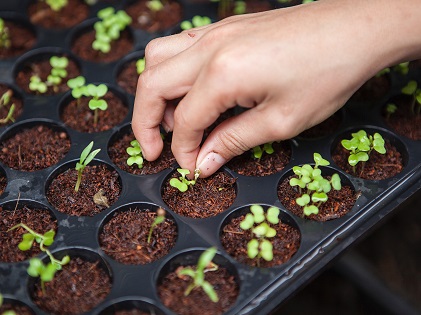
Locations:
column 152, row 49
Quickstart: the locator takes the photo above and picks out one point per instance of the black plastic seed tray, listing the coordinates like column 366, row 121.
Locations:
column 261, row 289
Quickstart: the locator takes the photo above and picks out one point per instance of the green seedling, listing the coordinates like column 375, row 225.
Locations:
column 182, row 183
column 97, row 92
column 413, row 90
column 312, row 186
column 8, row 312
column 402, row 68
column 109, row 28
column 360, row 147
column 9, row 116
column 307, row 1
column 204, row 265
column 160, row 217
column 154, row 5
column 135, row 152
column 259, row 224
column 78, row 87
column 4, row 35
column 140, row 65
column 390, row 110
column 5, row 98
column 56, row 5
column 85, row 158
column 240, row 7
column 4, row 101
column 58, row 71
column 36, row 266
column 37, row 85
column 258, row 150
column 196, row 21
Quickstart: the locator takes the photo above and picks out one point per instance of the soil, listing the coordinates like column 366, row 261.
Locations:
column 75, row 289
column 14, row 99
column 127, row 77
column 81, row 118
column 96, row 180
column 82, row 46
column 19, row 309
column 125, row 237
column 22, row 39
column 42, row 68
column 119, row 156
column 171, row 292
column 378, row 167
column 208, row 197
column 41, row 14
column 247, row 165
column 373, row 90
column 325, row 128
column 339, row 202
column 403, row 121
column 3, row 182
column 39, row 220
column 150, row 21
column 34, row 148
column 285, row 243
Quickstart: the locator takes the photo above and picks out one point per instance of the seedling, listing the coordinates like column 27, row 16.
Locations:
column 258, row 150
column 255, row 221
column 5, row 100
column 58, row 71
column 9, row 115
column 109, row 28
column 37, row 85
column 413, row 90
column 140, row 65
column 160, row 217
column 4, row 35
column 8, row 312
column 360, row 147
column 56, row 5
column 154, row 5
column 85, row 158
column 135, row 152
column 312, row 187
column 196, row 21
column 204, row 265
column 78, row 87
column 36, row 266
column 390, row 109
column 182, row 183
column 97, row 102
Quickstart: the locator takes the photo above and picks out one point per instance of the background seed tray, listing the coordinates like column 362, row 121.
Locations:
column 261, row 289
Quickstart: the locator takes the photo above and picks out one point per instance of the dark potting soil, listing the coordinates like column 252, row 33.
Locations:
column 372, row 90
column 39, row 220
column 285, row 243
column 97, row 181
column 72, row 14
column 4, row 108
column 81, row 118
column 17, row 308
column 325, row 128
column 34, row 148
column 378, row 167
column 154, row 21
column 42, row 68
column 127, row 77
column 125, row 237
column 339, row 202
column 404, row 121
column 208, row 197
column 246, row 164
column 75, row 289
column 21, row 40
column 82, row 46
column 171, row 292
column 119, row 156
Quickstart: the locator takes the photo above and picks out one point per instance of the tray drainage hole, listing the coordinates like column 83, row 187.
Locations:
column 138, row 234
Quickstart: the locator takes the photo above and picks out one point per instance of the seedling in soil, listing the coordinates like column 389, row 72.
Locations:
column 196, row 21
column 390, row 110
column 97, row 102
column 78, row 87
column 160, row 217
column 109, row 28
column 85, row 158
column 401, row 68
column 413, row 90
column 182, row 183
column 4, row 35
column 9, row 115
column 36, row 266
column 312, row 187
column 204, row 265
column 154, row 5
column 56, row 5
column 58, row 71
column 260, row 246
column 135, row 152
column 140, row 65
column 37, row 85
column 5, row 100
column 258, row 150
column 8, row 312
column 361, row 145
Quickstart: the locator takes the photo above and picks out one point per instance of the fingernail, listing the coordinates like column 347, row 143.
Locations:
column 166, row 127
column 211, row 163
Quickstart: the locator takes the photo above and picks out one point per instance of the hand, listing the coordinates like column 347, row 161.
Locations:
column 291, row 67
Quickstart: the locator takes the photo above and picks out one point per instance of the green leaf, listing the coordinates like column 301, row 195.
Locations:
column 261, row 229
column 314, row 185
column 319, row 160
column 49, row 237
column 186, row 272
column 85, row 152
column 132, row 151
column 257, row 152
column 59, row 62
column 105, row 13
column 272, row 215
column 258, row 213
column 271, row 232
column 98, row 104
column 91, row 156
column 176, row 183
column 312, row 209
column 336, row 181
column 27, row 241
column 248, row 222
column 35, row 267
column 65, row 260
column 76, row 82
column 48, row 272
column 140, row 65
column 296, row 182
column 410, row 88
column 135, row 160
column 183, row 172
column 206, row 258
column 253, row 248
column 303, row 200
column 266, row 250
column 319, row 197
column 186, row 25
column 210, row 292
column 267, row 147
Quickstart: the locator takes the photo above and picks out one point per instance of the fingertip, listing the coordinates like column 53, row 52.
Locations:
column 210, row 163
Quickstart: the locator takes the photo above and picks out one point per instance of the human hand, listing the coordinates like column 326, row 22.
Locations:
column 291, row 67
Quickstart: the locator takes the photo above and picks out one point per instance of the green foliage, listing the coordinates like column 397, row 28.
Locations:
column 4, row 35
column 85, row 158
column 4, row 101
column 390, row 109
column 204, row 264
column 37, row 85
column 135, row 152
column 58, row 71
column 78, row 87
column 182, row 183
column 36, row 266
column 401, row 68
column 160, row 217
column 259, row 224
column 240, row 7
column 312, row 186
column 413, row 90
column 109, row 28
column 140, row 65
column 361, row 145
column 258, row 150
column 56, row 5
column 196, row 21
column 154, row 5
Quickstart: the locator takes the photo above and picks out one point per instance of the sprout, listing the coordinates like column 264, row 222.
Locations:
column 182, row 183
column 204, row 264
column 160, row 217
column 140, row 65
column 37, row 85
column 85, row 158
column 258, row 151
column 78, row 87
column 413, row 90
column 196, row 21
column 5, row 100
column 390, row 109
column 4, row 35
column 56, row 5
column 402, row 68
column 361, row 145
column 239, row 7
column 135, row 152
column 97, row 92
column 154, row 5
column 58, row 71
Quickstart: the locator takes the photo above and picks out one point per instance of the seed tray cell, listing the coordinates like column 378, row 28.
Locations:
column 261, row 290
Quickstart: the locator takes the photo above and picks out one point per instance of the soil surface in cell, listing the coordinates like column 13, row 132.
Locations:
column 9, row 98
column 127, row 78
column 18, row 309
column 21, row 40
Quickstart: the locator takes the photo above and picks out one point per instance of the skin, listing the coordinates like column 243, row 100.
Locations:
column 291, row 67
